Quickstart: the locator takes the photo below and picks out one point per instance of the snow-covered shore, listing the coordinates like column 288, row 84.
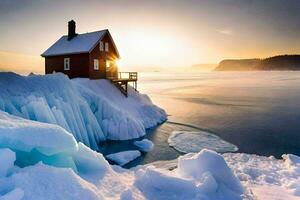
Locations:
column 50, row 123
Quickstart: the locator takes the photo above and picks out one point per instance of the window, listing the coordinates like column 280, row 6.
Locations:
column 106, row 46
column 66, row 63
column 107, row 64
column 101, row 46
column 96, row 64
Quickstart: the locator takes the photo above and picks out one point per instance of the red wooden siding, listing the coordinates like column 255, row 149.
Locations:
column 78, row 65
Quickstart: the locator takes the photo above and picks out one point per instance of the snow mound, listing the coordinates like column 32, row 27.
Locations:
column 45, row 182
column 189, row 141
column 92, row 110
column 124, row 157
column 144, row 145
column 209, row 162
column 204, row 175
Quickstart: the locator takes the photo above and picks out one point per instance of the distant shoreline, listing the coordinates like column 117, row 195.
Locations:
column 275, row 63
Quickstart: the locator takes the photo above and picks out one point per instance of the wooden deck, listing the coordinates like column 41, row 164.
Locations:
column 123, row 79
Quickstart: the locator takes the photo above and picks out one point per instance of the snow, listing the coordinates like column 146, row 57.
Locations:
column 91, row 110
column 190, row 141
column 82, row 43
column 216, row 172
column 144, row 145
column 124, row 157
column 7, row 159
column 267, row 176
column 45, row 182
column 204, row 175
column 273, row 192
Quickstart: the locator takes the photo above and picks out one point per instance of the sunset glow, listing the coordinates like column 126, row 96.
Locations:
column 166, row 34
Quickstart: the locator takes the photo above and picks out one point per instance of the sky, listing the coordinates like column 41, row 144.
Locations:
column 152, row 34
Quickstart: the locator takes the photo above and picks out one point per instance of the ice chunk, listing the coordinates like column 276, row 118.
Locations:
column 124, row 157
column 89, row 161
column 144, row 145
column 25, row 135
column 188, row 141
column 35, row 141
column 206, row 161
column 7, row 159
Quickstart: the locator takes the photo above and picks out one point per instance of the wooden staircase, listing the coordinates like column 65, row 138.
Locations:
column 122, row 83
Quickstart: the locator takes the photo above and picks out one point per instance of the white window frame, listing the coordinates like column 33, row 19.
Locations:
column 106, row 47
column 96, row 64
column 101, row 46
column 67, row 65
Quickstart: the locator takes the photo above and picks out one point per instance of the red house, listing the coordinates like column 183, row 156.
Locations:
column 89, row 55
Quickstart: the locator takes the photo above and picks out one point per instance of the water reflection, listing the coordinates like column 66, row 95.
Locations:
column 257, row 111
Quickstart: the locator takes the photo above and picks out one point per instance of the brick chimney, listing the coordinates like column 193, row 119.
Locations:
column 71, row 29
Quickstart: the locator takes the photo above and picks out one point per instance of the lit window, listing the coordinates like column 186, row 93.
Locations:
column 96, row 64
column 66, row 63
column 107, row 63
column 106, row 46
column 101, row 46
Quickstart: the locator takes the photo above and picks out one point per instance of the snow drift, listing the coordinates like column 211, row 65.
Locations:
column 92, row 110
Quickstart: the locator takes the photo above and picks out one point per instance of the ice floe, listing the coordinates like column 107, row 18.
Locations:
column 144, row 145
column 195, row 141
column 124, row 157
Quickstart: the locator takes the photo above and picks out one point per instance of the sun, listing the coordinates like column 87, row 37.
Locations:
column 119, row 63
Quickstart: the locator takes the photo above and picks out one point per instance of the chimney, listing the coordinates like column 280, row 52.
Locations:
column 71, row 29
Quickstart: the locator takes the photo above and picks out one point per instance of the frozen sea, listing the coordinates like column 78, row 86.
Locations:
column 259, row 112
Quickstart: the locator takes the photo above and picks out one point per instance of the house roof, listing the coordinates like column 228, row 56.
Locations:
column 82, row 43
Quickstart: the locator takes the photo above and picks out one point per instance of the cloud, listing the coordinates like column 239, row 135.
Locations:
column 225, row 32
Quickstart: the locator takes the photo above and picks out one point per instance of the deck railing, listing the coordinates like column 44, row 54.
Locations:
column 124, row 78
column 128, row 75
